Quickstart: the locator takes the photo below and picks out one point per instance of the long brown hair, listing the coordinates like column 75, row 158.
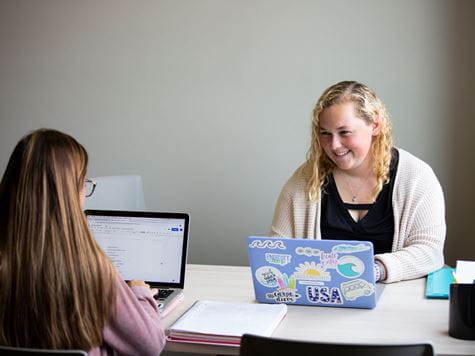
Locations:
column 369, row 108
column 56, row 284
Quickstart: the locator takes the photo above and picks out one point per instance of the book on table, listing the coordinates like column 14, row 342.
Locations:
column 223, row 323
column 438, row 283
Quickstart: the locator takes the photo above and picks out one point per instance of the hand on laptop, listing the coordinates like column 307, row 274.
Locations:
column 137, row 283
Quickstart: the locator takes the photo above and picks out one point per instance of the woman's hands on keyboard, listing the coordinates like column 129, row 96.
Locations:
column 137, row 283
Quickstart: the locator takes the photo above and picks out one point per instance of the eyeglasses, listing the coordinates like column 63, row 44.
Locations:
column 89, row 187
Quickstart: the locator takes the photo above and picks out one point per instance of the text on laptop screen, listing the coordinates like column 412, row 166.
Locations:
column 142, row 248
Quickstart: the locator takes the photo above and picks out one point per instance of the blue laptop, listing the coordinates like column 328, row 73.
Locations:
column 327, row 273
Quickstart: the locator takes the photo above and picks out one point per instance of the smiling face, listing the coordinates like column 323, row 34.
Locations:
column 345, row 138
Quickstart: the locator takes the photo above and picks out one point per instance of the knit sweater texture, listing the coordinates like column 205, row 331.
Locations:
column 135, row 328
column 419, row 218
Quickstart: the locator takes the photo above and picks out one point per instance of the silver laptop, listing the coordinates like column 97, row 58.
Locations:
column 148, row 246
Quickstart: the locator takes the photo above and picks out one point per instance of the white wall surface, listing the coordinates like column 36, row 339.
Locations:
column 210, row 100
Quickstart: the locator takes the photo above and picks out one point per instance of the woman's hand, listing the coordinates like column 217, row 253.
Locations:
column 137, row 283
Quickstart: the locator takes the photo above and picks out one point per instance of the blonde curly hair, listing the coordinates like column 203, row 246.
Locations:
column 369, row 108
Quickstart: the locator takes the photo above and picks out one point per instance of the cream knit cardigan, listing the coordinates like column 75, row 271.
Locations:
column 419, row 218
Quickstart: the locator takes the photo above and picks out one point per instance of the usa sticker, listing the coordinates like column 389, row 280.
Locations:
column 323, row 295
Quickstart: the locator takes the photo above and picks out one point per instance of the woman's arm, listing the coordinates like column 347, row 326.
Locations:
column 282, row 223
column 135, row 328
column 419, row 211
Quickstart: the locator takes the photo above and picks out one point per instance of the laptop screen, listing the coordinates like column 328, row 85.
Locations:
column 143, row 245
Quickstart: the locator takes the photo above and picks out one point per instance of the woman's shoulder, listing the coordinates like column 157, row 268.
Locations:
column 297, row 183
column 412, row 164
column 412, row 169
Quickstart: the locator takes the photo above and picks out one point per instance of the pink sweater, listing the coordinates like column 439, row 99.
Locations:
column 135, row 328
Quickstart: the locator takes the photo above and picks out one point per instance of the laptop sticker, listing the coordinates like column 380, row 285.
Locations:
column 307, row 251
column 323, row 295
column 344, row 248
column 268, row 276
column 356, row 288
column 350, row 266
column 329, row 260
column 272, row 244
column 278, row 258
column 286, row 292
column 311, row 271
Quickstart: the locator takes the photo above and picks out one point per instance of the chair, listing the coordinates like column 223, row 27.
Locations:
column 123, row 192
column 252, row 345
column 21, row 351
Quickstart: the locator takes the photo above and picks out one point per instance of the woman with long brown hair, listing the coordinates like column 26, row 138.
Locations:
column 58, row 289
column 355, row 185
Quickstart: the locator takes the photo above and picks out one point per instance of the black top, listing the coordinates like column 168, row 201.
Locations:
column 377, row 226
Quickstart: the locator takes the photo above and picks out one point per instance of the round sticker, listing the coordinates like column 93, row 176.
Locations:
column 268, row 276
column 350, row 266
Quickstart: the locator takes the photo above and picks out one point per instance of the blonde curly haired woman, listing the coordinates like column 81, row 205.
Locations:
column 58, row 288
column 355, row 185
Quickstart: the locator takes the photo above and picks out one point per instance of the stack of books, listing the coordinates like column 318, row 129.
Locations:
column 222, row 323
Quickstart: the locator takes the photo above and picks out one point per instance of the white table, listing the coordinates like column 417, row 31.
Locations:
column 402, row 315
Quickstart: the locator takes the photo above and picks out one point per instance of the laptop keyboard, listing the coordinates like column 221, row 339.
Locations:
column 163, row 293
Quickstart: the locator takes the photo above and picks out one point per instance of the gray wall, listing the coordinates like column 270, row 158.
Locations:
column 210, row 101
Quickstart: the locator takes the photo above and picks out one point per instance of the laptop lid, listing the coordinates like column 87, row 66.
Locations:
column 148, row 246
column 330, row 273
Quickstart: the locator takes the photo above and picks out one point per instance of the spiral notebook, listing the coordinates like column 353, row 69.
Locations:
column 223, row 323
